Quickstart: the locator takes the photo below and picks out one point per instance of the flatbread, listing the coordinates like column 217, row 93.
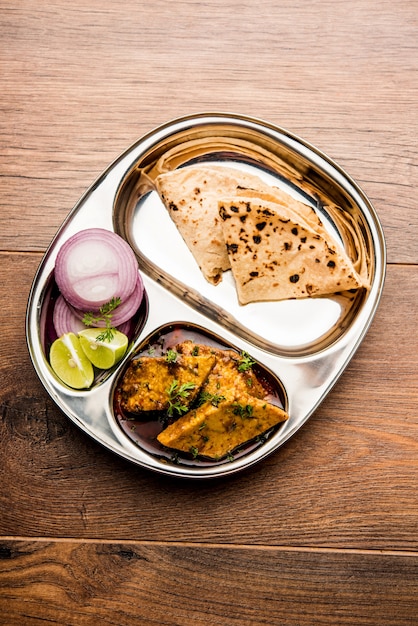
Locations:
column 291, row 255
column 191, row 196
column 276, row 257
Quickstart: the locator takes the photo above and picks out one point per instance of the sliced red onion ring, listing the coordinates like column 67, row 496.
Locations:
column 64, row 318
column 94, row 266
column 124, row 311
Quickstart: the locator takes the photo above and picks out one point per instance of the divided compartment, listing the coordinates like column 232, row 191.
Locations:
column 143, row 429
column 288, row 328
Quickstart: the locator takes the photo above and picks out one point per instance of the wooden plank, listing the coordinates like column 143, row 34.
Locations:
column 81, row 84
column 125, row 583
column 347, row 479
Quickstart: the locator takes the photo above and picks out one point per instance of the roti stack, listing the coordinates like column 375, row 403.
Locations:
column 275, row 245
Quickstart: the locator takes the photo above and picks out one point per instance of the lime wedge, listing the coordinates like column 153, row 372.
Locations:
column 103, row 354
column 70, row 363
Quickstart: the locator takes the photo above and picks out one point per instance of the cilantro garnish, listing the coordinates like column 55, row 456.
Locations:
column 246, row 362
column 176, row 396
column 171, row 356
column 242, row 411
column 194, row 451
column 105, row 315
column 213, row 398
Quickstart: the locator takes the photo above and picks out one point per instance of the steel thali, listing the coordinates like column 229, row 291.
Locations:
column 304, row 344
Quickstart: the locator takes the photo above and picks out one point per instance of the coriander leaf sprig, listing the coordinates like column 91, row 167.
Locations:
column 171, row 356
column 246, row 362
column 176, row 396
column 242, row 411
column 213, row 398
column 105, row 315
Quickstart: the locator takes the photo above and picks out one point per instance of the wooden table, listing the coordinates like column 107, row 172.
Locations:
column 325, row 531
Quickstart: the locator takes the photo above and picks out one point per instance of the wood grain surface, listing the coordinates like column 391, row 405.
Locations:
column 119, row 583
column 324, row 531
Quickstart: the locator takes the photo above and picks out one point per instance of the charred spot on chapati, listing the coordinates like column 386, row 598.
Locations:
column 232, row 248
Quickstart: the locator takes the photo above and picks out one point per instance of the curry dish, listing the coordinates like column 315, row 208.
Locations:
column 210, row 399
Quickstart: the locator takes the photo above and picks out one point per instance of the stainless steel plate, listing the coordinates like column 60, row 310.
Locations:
column 306, row 344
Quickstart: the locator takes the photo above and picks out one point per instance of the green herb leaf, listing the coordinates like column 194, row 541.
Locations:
column 106, row 335
column 105, row 315
column 243, row 411
column 171, row 356
column 213, row 398
column 246, row 362
column 176, row 396
column 194, row 451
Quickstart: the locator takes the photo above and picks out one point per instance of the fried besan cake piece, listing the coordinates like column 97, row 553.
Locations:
column 146, row 383
column 274, row 256
column 214, row 431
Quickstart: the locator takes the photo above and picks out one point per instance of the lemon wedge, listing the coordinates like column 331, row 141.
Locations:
column 103, row 354
column 70, row 363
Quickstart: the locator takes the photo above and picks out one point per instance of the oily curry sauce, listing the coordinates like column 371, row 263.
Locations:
column 188, row 398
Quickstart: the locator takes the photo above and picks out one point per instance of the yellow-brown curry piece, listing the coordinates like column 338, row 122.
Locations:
column 145, row 384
